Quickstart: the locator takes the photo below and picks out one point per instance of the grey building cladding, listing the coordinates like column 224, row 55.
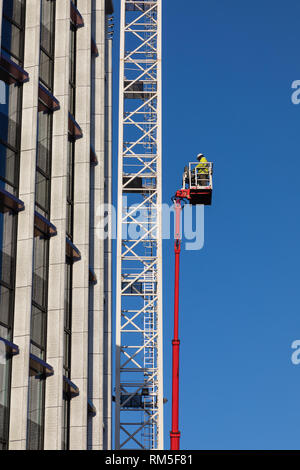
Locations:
column 55, row 269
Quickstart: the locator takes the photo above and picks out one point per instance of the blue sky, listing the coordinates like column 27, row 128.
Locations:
column 227, row 74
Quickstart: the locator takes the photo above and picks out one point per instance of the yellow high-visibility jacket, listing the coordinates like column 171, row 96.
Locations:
column 203, row 167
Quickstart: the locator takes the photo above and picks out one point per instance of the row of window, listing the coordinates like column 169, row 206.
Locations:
column 39, row 370
column 39, row 310
column 70, row 226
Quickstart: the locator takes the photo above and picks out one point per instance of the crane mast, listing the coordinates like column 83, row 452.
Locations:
column 139, row 373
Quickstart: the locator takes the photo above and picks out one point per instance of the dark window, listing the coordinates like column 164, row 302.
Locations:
column 67, row 320
column 8, row 226
column 72, row 67
column 70, row 189
column 6, row 307
column 14, row 10
column 48, row 26
column 66, row 422
column 10, row 130
column 67, row 351
column 38, row 330
column 71, row 144
column 36, row 406
column 9, row 118
column 35, row 422
column 9, row 169
column 43, row 169
column 35, row 429
column 46, row 70
column 47, row 43
column 5, row 373
column 40, row 283
column 12, row 40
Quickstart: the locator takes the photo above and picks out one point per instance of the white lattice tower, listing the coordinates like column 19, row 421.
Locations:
column 139, row 374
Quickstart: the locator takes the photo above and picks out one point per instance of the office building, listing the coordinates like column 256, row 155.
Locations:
column 55, row 263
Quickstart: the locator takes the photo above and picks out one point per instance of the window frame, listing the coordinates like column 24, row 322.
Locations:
column 21, row 27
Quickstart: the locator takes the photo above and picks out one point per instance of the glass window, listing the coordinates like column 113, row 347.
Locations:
column 67, row 319
column 6, row 264
column 70, row 188
column 44, row 131
column 72, row 69
column 43, row 161
column 42, row 193
column 72, row 97
column 9, row 169
column 7, row 247
column 66, row 423
column 12, row 41
column 10, row 128
column 46, row 70
column 69, row 220
column 42, row 196
column 67, row 351
column 8, row 223
column 47, row 43
column 10, row 116
column 35, row 428
column 69, row 266
column 72, row 55
column 68, row 298
column 35, row 422
column 14, row 10
column 40, row 272
column 38, row 331
column 48, row 26
column 46, row 39
column 48, row 20
column 6, row 306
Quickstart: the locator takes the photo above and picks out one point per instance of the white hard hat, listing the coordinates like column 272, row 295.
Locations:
column 199, row 156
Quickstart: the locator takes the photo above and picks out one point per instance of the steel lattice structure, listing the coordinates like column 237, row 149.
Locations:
column 139, row 374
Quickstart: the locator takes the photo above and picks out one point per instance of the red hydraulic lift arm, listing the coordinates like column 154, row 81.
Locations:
column 175, row 433
column 196, row 196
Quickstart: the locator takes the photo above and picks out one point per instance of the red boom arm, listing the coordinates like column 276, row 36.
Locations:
column 175, row 433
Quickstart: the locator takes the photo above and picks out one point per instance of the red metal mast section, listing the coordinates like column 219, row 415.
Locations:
column 175, row 433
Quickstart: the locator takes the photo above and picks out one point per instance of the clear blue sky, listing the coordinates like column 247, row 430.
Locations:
column 227, row 74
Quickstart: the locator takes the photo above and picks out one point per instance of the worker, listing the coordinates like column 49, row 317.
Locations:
column 202, row 170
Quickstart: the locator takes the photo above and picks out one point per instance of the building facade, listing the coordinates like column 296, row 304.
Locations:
column 55, row 263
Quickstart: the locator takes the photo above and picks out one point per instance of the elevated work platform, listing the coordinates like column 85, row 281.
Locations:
column 197, row 184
